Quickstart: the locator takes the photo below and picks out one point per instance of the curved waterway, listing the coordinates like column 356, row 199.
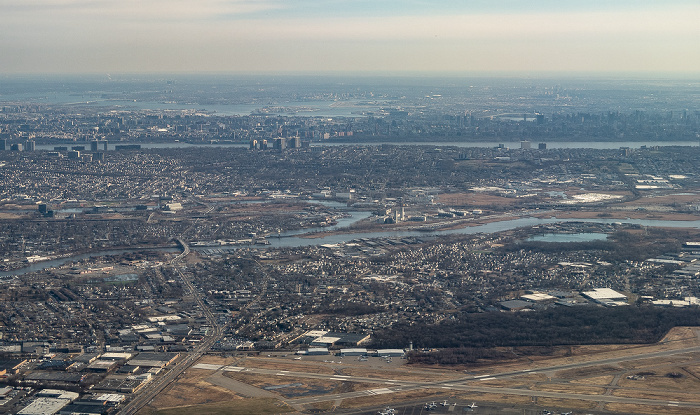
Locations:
column 492, row 227
column 293, row 239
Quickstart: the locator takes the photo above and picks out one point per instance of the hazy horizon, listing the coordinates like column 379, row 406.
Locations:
column 591, row 38
column 437, row 75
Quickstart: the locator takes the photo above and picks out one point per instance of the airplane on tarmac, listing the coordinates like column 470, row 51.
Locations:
column 444, row 403
column 472, row 406
column 430, row 405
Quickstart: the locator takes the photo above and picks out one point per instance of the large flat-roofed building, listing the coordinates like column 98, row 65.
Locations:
column 515, row 305
column 537, row 297
column 102, row 365
column 49, row 402
column 149, row 359
column 325, row 341
column 83, row 409
column 391, row 352
column 115, row 356
column 353, row 352
column 11, row 366
column 322, row 338
column 317, row 351
column 53, row 376
column 606, row 296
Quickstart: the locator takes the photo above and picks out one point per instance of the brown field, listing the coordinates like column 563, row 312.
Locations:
column 590, row 351
column 660, row 395
column 239, row 407
column 590, row 381
column 217, row 360
column 568, row 388
column 680, row 333
column 616, row 214
column 677, row 359
column 587, row 371
column 261, row 381
column 567, row 404
column 193, row 389
column 645, row 409
column 661, row 382
column 291, row 366
column 598, row 380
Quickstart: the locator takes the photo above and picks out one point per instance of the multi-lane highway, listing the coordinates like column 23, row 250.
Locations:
column 152, row 389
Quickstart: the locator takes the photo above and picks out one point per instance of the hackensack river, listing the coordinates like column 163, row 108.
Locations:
column 295, row 238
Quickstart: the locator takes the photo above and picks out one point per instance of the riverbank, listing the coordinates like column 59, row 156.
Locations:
column 462, row 224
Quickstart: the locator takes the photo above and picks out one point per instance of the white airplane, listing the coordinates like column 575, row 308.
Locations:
column 472, row 406
column 444, row 403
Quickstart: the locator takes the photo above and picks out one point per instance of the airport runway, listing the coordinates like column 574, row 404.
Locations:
column 471, row 383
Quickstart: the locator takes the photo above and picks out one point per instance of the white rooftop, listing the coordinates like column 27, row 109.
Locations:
column 325, row 340
column 537, row 297
column 315, row 333
column 603, row 294
column 43, row 405
column 115, row 356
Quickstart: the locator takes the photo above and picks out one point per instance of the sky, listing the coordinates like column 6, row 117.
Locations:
column 355, row 36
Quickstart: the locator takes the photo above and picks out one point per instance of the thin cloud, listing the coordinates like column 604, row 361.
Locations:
column 162, row 35
column 137, row 10
column 504, row 26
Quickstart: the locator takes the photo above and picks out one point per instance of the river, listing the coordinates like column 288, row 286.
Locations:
column 293, row 239
column 492, row 227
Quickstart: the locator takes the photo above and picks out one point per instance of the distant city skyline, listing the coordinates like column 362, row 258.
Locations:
column 243, row 36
